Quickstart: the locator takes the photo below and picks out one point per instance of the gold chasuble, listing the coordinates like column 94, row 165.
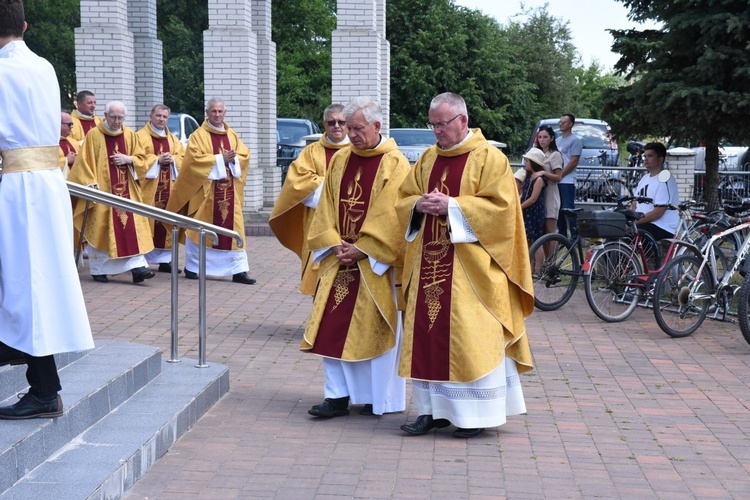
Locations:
column 290, row 219
column 112, row 230
column 354, row 315
column 66, row 146
column 466, row 303
column 82, row 125
column 156, row 191
column 217, row 202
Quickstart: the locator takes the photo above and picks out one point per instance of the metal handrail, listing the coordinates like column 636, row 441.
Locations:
column 176, row 221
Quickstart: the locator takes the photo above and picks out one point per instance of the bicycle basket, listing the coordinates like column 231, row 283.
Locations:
column 601, row 224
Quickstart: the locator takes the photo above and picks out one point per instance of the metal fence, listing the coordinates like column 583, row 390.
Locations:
column 734, row 185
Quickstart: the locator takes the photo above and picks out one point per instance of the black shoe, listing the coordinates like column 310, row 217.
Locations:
column 190, row 275
column 31, row 406
column 243, row 278
column 330, row 408
column 100, row 278
column 467, row 433
column 424, row 424
column 165, row 267
column 10, row 356
column 366, row 410
column 141, row 273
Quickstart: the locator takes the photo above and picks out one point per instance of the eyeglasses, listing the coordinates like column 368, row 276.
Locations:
column 68, row 124
column 116, row 118
column 332, row 123
column 440, row 125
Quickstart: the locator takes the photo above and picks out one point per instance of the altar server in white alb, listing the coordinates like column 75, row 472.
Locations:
column 42, row 311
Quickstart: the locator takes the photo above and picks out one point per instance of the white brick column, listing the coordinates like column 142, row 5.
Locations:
column 358, row 51
column 105, row 54
column 230, row 59
column 266, row 105
column 385, row 67
column 149, row 72
column 681, row 162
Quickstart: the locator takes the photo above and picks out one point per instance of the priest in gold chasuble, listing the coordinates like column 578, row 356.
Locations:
column 164, row 154
column 68, row 147
column 83, row 117
column 466, row 280
column 112, row 159
column 355, row 238
column 300, row 195
column 211, row 188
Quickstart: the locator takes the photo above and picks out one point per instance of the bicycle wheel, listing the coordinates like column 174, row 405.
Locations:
column 651, row 250
column 681, row 299
column 744, row 309
column 611, row 285
column 555, row 270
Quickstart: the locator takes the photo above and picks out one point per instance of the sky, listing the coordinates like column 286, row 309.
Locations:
column 588, row 21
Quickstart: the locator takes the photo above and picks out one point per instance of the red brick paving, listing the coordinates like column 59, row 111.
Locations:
column 614, row 410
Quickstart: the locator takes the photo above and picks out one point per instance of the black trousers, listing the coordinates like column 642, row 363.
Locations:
column 41, row 372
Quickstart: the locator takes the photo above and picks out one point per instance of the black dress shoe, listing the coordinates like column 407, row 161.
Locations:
column 190, row 275
column 165, row 267
column 100, row 278
column 243, row 278
column 10, row 356
column 366, row 410
column 142, row 273
column 424, row 424
column 31, row 406
column 330, row 408
column 467, row 433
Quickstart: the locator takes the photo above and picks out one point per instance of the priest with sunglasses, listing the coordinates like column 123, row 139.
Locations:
column 299, row 197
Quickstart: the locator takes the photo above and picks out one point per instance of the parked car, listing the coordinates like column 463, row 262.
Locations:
column 182, row 125
column 290, row 140
column 596, row 138
column 413, row 141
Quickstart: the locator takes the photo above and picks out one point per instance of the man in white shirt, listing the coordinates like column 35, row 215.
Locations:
column 660, row 221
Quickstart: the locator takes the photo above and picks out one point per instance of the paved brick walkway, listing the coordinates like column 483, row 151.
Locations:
column 614, row 410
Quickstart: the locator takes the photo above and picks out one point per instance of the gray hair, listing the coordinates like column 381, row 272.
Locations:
column 214, row 100
column 370, row 109
column 455, row 101
column 109, row 105
column 333, row 108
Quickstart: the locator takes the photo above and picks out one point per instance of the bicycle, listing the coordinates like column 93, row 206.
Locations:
column 557, row 261
column 603, row 187
column 689, row 286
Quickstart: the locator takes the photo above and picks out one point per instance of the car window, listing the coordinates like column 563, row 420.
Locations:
column 291, row 133
column 591, row 136
column 190, row 125
column 413, row 137
column 173, row 124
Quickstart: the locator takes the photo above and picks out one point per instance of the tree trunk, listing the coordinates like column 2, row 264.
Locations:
column 711, row 182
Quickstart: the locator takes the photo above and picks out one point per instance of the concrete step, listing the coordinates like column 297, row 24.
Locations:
column 11, row 383
column 106, row 457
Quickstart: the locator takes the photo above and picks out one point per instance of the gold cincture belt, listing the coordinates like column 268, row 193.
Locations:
column 33, row 158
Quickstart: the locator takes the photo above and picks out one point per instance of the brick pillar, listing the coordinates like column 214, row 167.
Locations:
column 681, row 162
column 266, row 106
column 149, row 72
column 230, row 60
column 105, row 54
column 385, row 67
column 358, row 51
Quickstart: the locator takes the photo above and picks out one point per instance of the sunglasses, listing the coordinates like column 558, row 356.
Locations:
column 332, row 123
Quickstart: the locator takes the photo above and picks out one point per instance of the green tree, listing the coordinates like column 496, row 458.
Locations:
column 180, row 29
column 436, row 47
column 689, row 79
column 51, row 35
column 549, row 58
column 302, row 32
